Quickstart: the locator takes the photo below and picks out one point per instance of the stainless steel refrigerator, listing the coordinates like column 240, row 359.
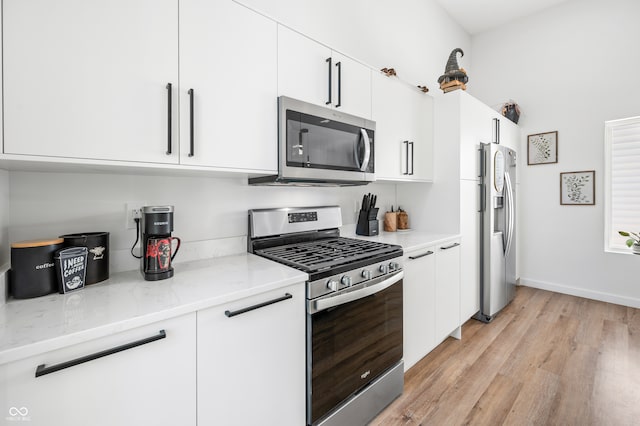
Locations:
column 497, row 229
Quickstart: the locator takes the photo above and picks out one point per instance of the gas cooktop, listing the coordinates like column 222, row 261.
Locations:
column 319, row 255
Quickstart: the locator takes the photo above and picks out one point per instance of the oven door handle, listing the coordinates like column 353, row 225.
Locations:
column 341, row 299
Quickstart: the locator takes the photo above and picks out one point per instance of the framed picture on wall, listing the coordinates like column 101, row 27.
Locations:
column 578, row 188
column 542, row 148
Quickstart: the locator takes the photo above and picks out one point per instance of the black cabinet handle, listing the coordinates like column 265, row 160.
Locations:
column 329, row 62
column 450, row 246
column 406, row 151
column 411, row 143
column 191, row 136
column 41, row 370
column 339, row 65
column 258, row 306
column 169, row 118
column 421, row 255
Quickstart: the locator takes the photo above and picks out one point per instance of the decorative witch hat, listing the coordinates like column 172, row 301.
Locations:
column 453, row 76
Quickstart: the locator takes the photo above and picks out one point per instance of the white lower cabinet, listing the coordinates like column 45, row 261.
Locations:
column 419, row 287
column 251, row 360
column 447, row 289
column 151, row 383
column 431, row 298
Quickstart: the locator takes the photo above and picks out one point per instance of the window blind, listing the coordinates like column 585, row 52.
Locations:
column 623, row 140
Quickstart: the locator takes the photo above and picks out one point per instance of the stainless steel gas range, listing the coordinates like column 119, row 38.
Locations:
column 354, row 310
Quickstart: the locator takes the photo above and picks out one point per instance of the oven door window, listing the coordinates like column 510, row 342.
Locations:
column 319, row 143
column 353, row 344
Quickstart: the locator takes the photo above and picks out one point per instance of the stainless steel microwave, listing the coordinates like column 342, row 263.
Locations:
column 321, row 146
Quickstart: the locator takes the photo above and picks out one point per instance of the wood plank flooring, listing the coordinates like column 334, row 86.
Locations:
column 547, row 359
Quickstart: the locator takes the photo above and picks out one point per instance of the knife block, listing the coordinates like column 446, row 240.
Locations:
column 367, row 223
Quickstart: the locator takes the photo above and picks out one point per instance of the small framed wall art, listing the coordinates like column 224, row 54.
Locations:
column 542, row 148
column 578, row 188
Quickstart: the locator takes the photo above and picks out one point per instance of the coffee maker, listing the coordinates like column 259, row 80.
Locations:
column 157, row 225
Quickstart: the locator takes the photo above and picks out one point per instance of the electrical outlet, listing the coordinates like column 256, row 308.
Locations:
column 133, row 211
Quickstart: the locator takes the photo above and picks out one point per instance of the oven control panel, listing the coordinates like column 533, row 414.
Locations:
column 303, row 217
column 355, row 277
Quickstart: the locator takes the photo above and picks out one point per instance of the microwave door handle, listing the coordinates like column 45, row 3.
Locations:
column 367, row 150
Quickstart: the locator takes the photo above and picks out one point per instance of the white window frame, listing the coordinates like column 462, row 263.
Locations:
column 611, row 244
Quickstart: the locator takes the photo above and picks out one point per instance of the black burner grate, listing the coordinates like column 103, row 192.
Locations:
column 323, row 254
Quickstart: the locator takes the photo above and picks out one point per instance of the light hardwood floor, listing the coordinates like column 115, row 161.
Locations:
column 547, row 359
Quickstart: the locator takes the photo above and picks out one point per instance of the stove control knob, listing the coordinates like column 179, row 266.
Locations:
column 346, row 280
column 393, row 266
column 366, row 274
column 384, row 268
column 332, row 285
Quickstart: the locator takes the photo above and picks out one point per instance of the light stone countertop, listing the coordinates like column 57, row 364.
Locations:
column 410, row 240
column 126, row 301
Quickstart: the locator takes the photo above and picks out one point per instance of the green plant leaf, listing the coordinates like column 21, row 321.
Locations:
column 630, row 242
column 624, row 234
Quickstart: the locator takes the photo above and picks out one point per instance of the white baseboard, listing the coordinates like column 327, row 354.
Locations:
column 581, row 292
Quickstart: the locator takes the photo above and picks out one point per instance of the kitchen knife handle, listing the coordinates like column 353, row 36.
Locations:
column 257, row 306
column 330, row 71
column 191, row 134
column 339, row 66
column 42, row 370
column 169, row 114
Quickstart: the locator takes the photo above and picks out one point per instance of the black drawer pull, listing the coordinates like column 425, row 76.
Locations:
column 421, row 255
column 328, row 61
column 41, row 370
column 339, row 65
column 450, row 246
column 191, row 137
column 169, row 117
column 258, row 306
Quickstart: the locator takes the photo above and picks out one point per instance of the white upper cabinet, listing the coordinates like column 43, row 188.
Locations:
column 312, row 72
column 228, row 69
column 351, row 83
column 88, row 79
column 404, row 130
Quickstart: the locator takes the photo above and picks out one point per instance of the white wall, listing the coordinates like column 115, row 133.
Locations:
column 47, row 205
column 413, row 36
column 570, row 68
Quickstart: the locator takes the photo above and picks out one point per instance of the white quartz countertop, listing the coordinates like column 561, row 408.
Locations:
column 126, row 301
column 410, row 240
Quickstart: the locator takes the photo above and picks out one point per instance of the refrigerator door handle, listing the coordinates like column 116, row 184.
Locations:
column 510, row 213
